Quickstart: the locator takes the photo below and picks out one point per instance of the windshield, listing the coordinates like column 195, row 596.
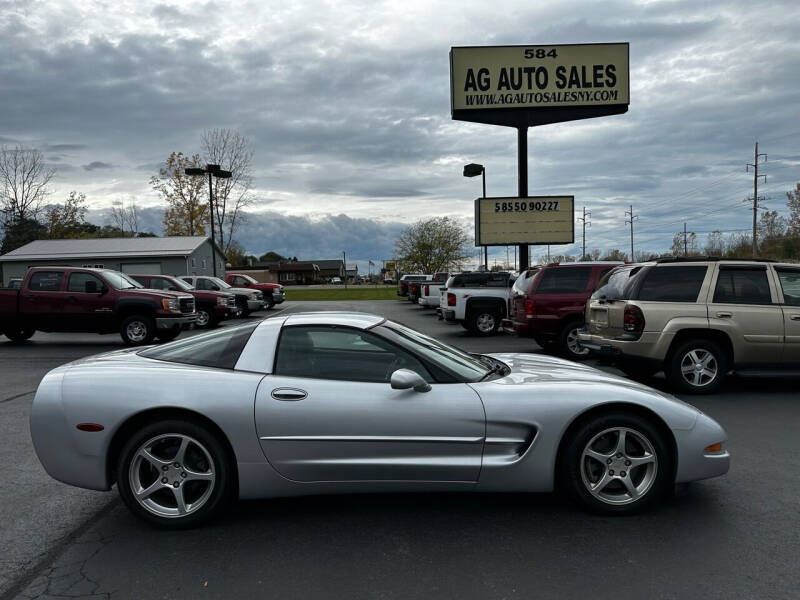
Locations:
column 120, row 281
column 217, row 281
column 456, row 362
column 616, row 284
column 181, row 284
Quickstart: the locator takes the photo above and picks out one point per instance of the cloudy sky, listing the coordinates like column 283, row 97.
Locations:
column 346, row 106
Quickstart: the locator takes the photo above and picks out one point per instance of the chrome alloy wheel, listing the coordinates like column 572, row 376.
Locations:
column 136, row 331
column 486, row 322
column 203, row 317
column 573, row 345
column 172, row 475
column 699, row 367
column 619, row 466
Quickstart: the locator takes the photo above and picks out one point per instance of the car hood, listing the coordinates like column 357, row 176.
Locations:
column 236, row 290
column 147, row 292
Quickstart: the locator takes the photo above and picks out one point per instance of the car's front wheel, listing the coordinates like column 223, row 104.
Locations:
column 137, row 330
column 174, row 474
column 19, row 335
column 483, row 321
column 204, row 317
column 616, row 463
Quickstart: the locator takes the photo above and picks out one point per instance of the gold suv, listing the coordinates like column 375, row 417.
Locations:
column 697, row 319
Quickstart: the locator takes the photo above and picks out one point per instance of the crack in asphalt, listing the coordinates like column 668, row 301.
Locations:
column 57, row 580
column 15, row 396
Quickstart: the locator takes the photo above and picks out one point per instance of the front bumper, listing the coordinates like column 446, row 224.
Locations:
column 693, row 462
column 253, row 305
column 184, row 321
column 279, row 297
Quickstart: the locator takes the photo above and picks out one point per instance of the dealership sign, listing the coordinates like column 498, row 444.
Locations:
column 531, row 220
column 535, row 85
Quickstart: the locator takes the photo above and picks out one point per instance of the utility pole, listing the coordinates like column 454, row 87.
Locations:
column 584, row 221
column 633, row 217
column 754, row 164
column 685, row 244
column 344, row 261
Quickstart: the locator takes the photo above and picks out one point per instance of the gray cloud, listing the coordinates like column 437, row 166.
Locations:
column 97, row 164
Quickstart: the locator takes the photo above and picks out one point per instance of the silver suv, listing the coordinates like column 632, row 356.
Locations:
column 697, row 319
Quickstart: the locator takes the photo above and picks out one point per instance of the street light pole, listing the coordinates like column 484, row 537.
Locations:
column 215, row 171
column 471, row 170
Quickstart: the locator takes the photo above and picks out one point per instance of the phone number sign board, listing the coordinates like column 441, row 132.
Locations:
column 532, row 220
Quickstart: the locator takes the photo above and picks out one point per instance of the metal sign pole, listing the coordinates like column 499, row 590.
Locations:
column 522, row 171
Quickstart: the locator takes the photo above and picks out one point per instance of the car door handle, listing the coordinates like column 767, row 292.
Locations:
column 724, row 315
column 288, row 394
column 795, row 317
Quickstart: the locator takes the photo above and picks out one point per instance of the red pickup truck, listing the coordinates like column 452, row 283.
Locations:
column 92, row 301
column 272, row 292
column 212, row 307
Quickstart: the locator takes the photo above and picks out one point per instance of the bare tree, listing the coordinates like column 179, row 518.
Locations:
column 24, row 178
column 125, row 217
column 230, row 150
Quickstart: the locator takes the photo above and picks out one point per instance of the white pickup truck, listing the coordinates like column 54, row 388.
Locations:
column 478, row 300
column 430, row 292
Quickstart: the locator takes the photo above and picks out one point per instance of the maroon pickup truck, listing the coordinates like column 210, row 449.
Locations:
column 212, row 307
column 92, row 301
column 273, row 292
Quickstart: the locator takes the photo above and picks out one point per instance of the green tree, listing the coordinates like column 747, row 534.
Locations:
column 433, row 245
column 616, row 255
column 793, row 203
column 66, row 220
column 272, row 257
column 186, row 196
column 21, row 232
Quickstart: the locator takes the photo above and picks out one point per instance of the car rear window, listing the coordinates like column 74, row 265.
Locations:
column 475, row 280
column 617, row 283
column 220, row 348
column 524, row 281
column 672, row 284
column 564, row 280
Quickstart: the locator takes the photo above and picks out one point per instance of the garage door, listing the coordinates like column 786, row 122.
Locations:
column 141, row 268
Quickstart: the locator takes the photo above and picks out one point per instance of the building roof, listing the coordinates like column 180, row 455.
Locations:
column 106, row 248
column 335, row 263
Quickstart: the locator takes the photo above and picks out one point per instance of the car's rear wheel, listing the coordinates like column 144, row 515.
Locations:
column 483, row 321
column 19, row 335
column 616, row 463
column 697, row 367
column 174, row 474
column 568, row 343
column 137, row 330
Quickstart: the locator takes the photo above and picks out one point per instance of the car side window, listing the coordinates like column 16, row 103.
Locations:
column 77, row 282
column 157, row 283
column 46, row 281
column 202, row 284
column 673, row 284
column 564, row 280
column 341, row 353
column 742, row 286
column 790, row 284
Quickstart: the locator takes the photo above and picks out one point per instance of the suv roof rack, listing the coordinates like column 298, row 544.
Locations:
column 675, row 259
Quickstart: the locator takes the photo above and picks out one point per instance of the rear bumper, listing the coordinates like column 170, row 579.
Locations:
column 428, row 301
column 448, row 315
column 651, row 345
column 184, row 321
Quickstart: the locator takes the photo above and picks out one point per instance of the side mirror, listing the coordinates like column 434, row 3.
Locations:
column 215, row 288
column 406, row 379
column 90, row 287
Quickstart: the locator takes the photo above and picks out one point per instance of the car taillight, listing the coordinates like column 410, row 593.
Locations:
column 451, row 299
column 633, row 319
column 529, row 306
column 427, row 290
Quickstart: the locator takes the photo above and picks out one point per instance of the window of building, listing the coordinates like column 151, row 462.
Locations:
column 673, row 284
column 742, row 285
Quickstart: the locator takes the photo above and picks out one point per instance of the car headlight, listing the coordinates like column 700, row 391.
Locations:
column 222, row 300
column 171, row 304
column 254, row 296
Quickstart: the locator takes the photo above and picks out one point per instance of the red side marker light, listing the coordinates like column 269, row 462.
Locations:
column 90, row 426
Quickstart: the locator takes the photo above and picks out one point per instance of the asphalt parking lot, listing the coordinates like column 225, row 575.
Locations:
column 731, row 537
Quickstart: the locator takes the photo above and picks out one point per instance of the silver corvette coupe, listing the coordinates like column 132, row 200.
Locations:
column 334, row 402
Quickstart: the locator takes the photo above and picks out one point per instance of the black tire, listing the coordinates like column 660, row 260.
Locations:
column 221, row 489
column 270, row 304
column 19, row 335
column 567, row 341
column 577, row 473
column 167, row 335
column 483, row 321
column 137, row 330
column 243, row 305
column 681, row 356
column 205, row 317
